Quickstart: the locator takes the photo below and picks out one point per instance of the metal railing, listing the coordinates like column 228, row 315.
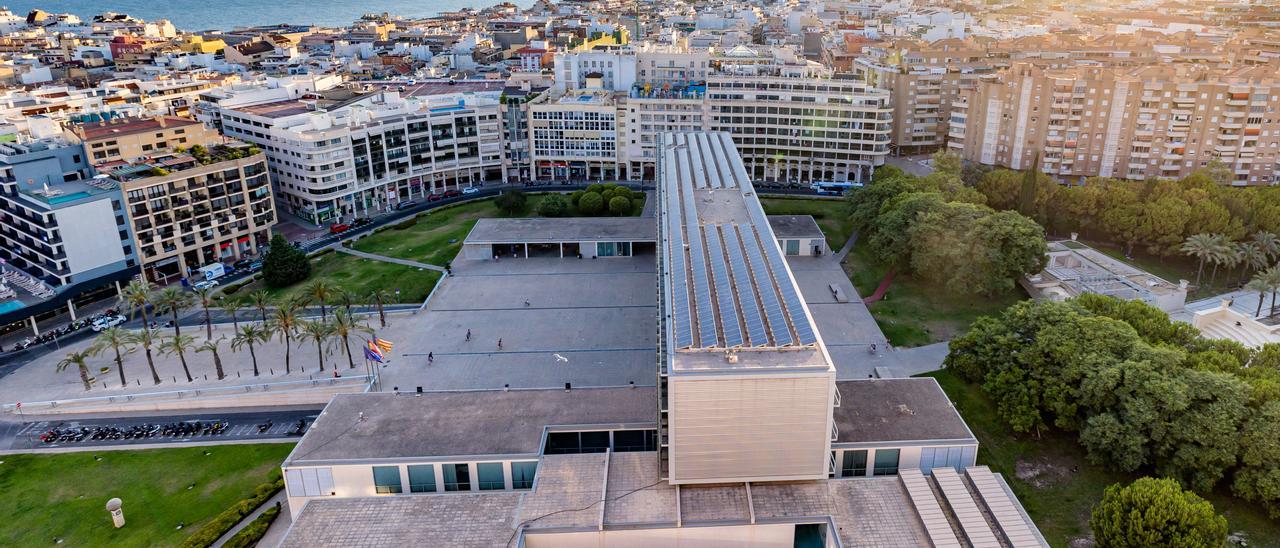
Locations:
column 182, row 395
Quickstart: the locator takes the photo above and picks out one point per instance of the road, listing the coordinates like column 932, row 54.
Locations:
column 21, row 436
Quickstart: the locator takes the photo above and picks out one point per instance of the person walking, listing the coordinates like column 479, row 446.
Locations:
column 431, row 358
column 499, row 344
column 468, row 335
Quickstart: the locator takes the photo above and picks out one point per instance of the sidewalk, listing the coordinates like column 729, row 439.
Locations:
column 280, row 497
column 343, row 249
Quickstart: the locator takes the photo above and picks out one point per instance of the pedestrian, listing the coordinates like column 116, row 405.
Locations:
column 468, row 335
column 526, row 302
column 499, row 344
column 431, row 358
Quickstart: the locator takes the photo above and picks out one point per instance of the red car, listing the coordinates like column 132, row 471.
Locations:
column 433, row 197
column 339, row 227
column 452, row 193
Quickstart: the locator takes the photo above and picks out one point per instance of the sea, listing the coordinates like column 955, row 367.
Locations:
column 194, row 15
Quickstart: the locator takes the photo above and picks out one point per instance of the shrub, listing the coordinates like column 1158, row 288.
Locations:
column 591, row 203
column 553, row 206
column 511, row 203
column 1155, row 512
column 284, row 265
column 596, row 188
column 577, row 195
column 252, row 533
column 407, row 223
column 619, row 206
column 223, row 522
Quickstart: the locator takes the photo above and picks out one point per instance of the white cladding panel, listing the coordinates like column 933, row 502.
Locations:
column 759, row 428
column 90, row 235
column 780, row 535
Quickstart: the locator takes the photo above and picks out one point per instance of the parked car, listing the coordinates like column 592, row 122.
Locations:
column 339, row 227
column 406, row 204
column 359, row 222
column 470, row 190
column 205, row 284
column 452, row 193
column 255, row 266
column 433, row 197
column 242, row 264
column 106, row 322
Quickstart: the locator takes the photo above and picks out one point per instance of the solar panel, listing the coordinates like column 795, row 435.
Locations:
column 730, row 175
column 772, row 308
column 697, row 259
column 777, row 267
column 681, row 324
column 694, row 154
column 746, row 293
column 724, row 289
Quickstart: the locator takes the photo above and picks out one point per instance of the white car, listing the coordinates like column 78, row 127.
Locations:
column 470, row 190
column 108, row 322
column 206, row 284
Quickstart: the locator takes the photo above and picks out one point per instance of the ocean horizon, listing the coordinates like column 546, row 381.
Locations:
column 192, row 15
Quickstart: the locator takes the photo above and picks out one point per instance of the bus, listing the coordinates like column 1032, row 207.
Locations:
column 833, row 188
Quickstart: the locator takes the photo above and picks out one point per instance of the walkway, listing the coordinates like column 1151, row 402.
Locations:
column 650, row 204
column 881, row 289
column 844, row 251
column 386, row 259
column 271, row 502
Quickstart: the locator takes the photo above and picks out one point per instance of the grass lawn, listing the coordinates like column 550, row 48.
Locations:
column 830, row 215
column 915, row 313
column 62, row 496
column 1056, row 483
column 359, row 276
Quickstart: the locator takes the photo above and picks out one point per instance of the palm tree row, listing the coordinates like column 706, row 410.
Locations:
column 336, row 327
column 1254, row 255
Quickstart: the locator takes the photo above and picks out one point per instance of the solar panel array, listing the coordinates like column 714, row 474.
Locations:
column 726, row 278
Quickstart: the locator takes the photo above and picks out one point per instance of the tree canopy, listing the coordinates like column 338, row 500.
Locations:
column 1155, row 512
column 284, row 264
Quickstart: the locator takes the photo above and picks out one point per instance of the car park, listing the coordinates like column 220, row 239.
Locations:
column 104, row 323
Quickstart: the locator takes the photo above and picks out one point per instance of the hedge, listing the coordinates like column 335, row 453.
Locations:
column 220, row 524
column 252, row 533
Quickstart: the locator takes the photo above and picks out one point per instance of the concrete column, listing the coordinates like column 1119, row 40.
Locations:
column 526, row 251
column 561, row 250
column 119, row 292
column 35, row 329
column 71, row 307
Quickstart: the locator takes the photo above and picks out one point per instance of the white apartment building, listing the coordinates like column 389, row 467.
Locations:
column 349, row 153
column 574, row 135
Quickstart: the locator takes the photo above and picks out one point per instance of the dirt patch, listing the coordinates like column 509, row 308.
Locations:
column 1041, row 473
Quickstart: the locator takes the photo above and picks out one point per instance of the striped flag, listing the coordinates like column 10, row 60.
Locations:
column 370, row 355
column 384, row 344
column 374, row 349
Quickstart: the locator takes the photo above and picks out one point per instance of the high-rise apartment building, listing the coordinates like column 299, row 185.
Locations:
column 126, row 139
column 574, row 135
column 1129, row 123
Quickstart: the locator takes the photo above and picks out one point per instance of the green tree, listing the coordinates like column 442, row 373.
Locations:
column 118, row 341
column 173, row 300
column 1001, row 187
column 211, row 346
column 344, row 327
column 553, row 205
column 1258, row 478
column 1258, row 284
column 261, row 300
column 1155, row 512
column 232, row 306
column 591, row 204
column 178, row 346
column 78, row 359
column 512, row 202
column 1268, row 244
column 619, row 206
column 285, row 322
column 379, row 298
column 250, row 335
column 319, row 291
column 947, row 162
column 891, row 237
column 1006, row 246
column 1204, row 247
column 136, row 297
column 1027, row 190
column 204, row 297
column 318, row 332
column 147, row 339
column 284, row 265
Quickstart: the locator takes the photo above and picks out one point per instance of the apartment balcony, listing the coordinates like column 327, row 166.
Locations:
column 1225, row 149
column 1170, row 157
column 1144, row 133
column 1142, row 155
column 1184, row 100
column 1175, row 134
column 1228, row 137
column 955, row 133
column 1237, row 102
column 1235, row 114
column 1170, row 166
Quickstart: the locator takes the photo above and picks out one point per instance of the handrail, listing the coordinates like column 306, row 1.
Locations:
column 191, row 393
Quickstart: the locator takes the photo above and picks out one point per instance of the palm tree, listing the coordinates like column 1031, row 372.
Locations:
column 261, row 300
column 284, row 321
column 344, row 326
column 204, row 296
column 320, row 333
column 1253, row 257
column 380, row 297
column 173, row 300
column 1221, row 254
column 1272, row 276
column 136, row 296
column 1231, row 257
column 211, row 346
column 1258, row 284
column 118, row 340
column 1268, row 242
column 1202, row 247
column 248, row 335
column 179, row 345
column 319, row 291
column 147, row 338
column 78, row 358
column 232, row 306
column 345, row 298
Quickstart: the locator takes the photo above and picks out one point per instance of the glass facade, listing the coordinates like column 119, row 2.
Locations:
column 491, row 476
column 563, row 443
column 886, row 462
column 522, row 474
column 422, row 478
column 386, row 479
column 635, row 440
column 457, row 477
column 854, row 464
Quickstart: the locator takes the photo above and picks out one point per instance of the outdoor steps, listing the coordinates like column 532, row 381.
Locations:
column 973, row 524
column 1226, row 330
column 1002, row 508
column 936, row 523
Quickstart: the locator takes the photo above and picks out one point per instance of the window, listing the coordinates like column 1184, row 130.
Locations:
column 855, row 464
column 635, row 440
column 386, row 479
column 491, row 476
column 563, row 443
column 793, row 247
column 522, row 474
column 457, row 477
column 422, row 478
column 309, row 482
column 886, row 462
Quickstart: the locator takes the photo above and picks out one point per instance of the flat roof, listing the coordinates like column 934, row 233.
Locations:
column 549, row 230
column 277, row 109
column 454, row 86
column 795, row 226
column 897, row 410
column 102, row 130
column 357, row 427
column 728, row 285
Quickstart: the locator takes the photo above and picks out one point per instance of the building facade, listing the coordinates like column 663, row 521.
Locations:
column 124, row 139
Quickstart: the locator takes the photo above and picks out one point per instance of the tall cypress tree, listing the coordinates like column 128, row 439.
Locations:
column 1027, row 198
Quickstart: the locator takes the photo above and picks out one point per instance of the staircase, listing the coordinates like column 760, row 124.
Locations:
column 973, row 509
